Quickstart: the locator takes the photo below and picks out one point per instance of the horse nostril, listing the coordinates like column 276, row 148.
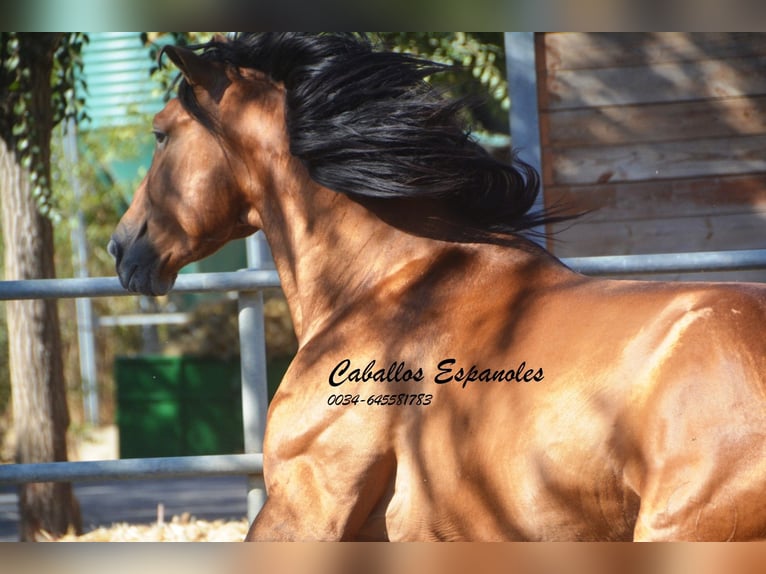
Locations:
column 114, row 249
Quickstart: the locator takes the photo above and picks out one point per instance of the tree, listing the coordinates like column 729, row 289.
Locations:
column 36, row 89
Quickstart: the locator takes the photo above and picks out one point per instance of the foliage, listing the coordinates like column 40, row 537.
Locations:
column 25, row 130
column 100, row 205
column 480, row 74
column 103, row 200
column 18, row 125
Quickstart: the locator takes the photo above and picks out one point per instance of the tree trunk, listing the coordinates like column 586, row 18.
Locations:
column 40, row 411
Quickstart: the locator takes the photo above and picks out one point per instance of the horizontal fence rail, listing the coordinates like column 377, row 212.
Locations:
column 249, row 280
column 253, row 280
column 699, row 262
column 132, row 468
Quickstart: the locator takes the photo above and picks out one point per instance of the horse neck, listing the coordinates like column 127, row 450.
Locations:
column 329, row 250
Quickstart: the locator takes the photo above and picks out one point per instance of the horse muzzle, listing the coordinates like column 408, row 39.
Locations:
column 139, row 267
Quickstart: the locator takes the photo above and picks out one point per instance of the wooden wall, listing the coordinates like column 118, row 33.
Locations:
column 662, row 135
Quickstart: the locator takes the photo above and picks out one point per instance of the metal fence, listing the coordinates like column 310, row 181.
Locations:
column 249, row 285
column 656, row 263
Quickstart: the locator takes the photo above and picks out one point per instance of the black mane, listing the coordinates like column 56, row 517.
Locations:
column 365, row 123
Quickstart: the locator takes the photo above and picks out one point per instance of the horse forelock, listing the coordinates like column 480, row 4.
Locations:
column 366, row 123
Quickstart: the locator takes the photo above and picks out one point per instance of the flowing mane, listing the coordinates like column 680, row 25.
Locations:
column 366, row 123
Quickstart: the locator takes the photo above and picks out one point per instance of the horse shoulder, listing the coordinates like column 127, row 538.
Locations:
column 704, row 420
column 727, row 323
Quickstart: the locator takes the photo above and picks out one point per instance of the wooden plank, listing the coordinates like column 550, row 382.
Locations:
column 667, row 160
column 617, row 125
column 664, row 198
column 577, row 51
column 670, row 82
column 662, row 235
column 542, row 103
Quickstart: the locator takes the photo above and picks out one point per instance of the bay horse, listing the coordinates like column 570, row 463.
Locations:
column 454, row 381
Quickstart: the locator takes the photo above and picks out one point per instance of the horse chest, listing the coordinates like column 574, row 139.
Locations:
column 536, row 499
column 458, row 479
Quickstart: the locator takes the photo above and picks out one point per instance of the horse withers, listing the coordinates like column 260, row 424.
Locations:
column 453, row 381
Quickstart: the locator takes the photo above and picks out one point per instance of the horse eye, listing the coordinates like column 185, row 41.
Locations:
column 160, row 137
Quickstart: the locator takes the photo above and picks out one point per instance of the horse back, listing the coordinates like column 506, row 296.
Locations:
column 654, row 391
column 681, row 376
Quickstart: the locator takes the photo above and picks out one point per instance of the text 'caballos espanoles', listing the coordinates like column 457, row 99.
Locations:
column 447, row 371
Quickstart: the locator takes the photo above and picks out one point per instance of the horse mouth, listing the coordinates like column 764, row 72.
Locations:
column 140, row 270
column 146, row 281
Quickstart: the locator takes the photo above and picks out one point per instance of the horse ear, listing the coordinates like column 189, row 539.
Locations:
column 198, row 72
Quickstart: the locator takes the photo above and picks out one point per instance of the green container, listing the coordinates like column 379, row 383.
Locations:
column 178, row 406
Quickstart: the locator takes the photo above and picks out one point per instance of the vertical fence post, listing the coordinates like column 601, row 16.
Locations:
column 84, row 306
column 254, row 389
column 524, row 112
column 252, row 339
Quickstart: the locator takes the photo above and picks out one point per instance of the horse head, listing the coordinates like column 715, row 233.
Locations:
column 198, row 193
